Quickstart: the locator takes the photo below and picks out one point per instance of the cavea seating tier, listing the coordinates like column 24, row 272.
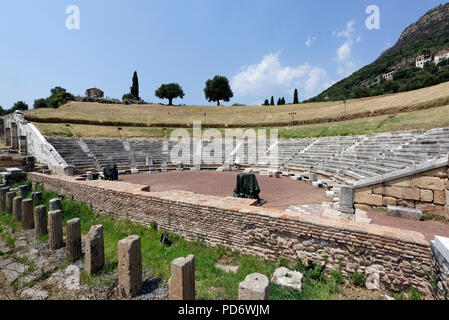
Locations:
column 346, row 157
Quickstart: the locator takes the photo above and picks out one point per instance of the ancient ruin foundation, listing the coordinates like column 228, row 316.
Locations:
column 402, row 257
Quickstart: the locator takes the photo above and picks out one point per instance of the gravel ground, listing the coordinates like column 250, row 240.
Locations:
column 154, row 289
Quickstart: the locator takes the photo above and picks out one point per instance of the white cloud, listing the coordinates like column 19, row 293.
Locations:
column 349, row 30
column 314, row 80
column 268, row 78
column 344, row 59
column 310, row 40
column 344, row 52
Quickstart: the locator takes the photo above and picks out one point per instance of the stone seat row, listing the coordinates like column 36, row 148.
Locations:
column 71, row 152
column 379, row 152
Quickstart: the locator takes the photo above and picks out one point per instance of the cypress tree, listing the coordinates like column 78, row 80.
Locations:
column 272, row 101
column 295, row 97
column 283, row 101
column 279, row 102
column 266, row 103
column 135, row 86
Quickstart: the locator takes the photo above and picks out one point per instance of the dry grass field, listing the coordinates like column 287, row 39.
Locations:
column 241, row 116
column 422, row 119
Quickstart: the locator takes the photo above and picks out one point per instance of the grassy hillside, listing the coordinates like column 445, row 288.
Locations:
column 422, row 119
column 260, row 116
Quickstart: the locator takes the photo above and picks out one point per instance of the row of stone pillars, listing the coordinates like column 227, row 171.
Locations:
column 129, row 256
column 10, row 137
column 129, row 252
column 181, row 283
column 14, row 202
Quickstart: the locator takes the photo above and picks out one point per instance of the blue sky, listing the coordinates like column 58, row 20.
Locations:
column 261, row 46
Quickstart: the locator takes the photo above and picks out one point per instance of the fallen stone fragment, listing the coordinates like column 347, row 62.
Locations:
column 227, row 268
column 255, row 287
column 287, row 278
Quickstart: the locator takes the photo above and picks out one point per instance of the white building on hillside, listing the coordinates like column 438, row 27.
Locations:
column 422, row 60
column 440, row 56
column 389, row 75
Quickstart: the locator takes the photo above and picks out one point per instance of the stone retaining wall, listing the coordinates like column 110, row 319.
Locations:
column 36, row 145
column 422, row 189
column 440, row 274
column 401, row 258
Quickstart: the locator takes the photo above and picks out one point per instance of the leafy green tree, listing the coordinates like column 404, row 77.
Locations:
column 414, row 84
column 360, row 92
column 129, row 96
column 272, row 101
column 170, row 91
column 391, row 87
column 57, row 90
column 59, row 99
column 218, row 89
column 135, row 86
column 443, row 63
column 19, row 105
column 430, row 67
column 443, row 75
column 40, row 103
column 295, row 97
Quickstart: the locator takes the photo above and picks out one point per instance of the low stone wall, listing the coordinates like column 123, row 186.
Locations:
column 440, row 272
column 423, row 187
column 401, row 258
